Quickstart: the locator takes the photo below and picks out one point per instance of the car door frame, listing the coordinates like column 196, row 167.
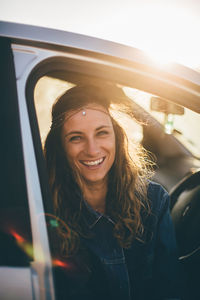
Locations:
column 35, row 51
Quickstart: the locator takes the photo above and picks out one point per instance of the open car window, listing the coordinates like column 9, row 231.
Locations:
column 149, row 130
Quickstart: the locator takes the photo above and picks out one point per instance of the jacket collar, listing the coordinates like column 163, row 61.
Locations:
column 91, row 216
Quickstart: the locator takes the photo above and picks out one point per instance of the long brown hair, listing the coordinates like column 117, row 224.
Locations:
column 127, row 183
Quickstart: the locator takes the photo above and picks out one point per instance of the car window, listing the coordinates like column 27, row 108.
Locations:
column 48, row 89
column 50, row 86
column 181, row 126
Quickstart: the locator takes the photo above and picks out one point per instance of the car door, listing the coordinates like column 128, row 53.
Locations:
column 25, row 264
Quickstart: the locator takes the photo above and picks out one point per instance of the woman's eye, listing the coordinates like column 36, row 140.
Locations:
column 76, row 138
column 102, row 133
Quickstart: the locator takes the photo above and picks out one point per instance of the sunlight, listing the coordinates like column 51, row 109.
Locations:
column 166, row 30
column 166, row 34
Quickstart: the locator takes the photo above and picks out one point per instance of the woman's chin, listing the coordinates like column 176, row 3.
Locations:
column 92, row 180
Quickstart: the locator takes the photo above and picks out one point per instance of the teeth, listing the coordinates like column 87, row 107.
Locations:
column 93, row 163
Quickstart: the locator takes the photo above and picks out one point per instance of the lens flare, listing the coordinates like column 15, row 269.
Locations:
column 17, row 236
column 60, row 263
column 23, row 243
column 27, row 246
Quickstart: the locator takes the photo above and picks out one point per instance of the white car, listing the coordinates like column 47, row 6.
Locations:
column 37, row 64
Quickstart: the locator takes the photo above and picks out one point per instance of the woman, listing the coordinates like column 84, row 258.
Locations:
column 115, row 238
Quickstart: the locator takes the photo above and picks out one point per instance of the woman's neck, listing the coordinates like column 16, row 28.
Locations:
column 95, row 195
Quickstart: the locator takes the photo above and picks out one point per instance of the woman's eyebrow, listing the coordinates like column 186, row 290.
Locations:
column 103, row 126
column 80, row 132
column 73, row 132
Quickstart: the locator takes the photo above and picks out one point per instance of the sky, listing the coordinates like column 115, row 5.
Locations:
column 168, row 30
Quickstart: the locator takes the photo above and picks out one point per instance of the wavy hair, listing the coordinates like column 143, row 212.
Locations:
column 127, row 180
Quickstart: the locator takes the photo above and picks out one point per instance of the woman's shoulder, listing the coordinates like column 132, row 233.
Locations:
column 154, row 187
column 158, row 197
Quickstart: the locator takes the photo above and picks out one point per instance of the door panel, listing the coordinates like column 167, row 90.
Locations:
column 15, row 230
column 19, row 286
column 41, row 264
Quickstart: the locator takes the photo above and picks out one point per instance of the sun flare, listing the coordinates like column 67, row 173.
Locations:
column 165, row 33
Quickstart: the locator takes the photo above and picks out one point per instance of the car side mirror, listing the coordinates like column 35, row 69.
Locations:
column 166, row 107
column 169, row 109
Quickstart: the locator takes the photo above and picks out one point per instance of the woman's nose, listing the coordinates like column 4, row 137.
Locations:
column 92, row 147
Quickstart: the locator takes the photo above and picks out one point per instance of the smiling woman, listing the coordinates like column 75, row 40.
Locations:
column 109, row 232
column 89, row 143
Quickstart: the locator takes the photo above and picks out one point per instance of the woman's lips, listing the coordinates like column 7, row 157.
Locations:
column 92, row 163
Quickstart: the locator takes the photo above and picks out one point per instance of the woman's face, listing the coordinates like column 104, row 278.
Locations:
column 88, row 139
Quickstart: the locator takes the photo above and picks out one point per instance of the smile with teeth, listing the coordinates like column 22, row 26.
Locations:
column 93, row 162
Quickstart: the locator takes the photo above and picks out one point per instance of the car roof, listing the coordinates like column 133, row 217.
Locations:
column 125, row 55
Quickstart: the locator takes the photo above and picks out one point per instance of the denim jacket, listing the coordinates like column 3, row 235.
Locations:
column 146, row 271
